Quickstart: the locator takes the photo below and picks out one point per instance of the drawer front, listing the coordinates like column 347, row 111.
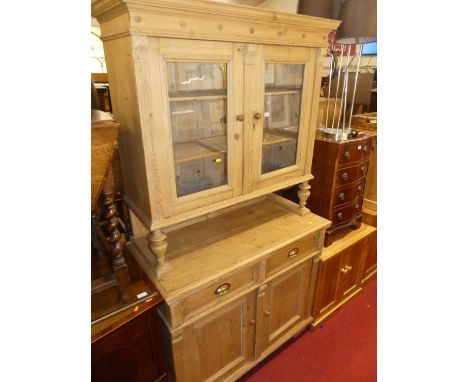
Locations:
column 216, row 292
column 291, row 254
column 343, row 215
column 345, row 195
column 349, row 175
column 350, row 152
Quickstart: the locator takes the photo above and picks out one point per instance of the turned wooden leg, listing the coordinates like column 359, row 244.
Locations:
column 158, row 247
column 119, row 265
column 303, row 193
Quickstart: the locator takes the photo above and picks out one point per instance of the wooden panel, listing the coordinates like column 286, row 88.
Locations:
column 132, row 352
column 216, row 345
column 291, row 254
column 349, row 269
column 284, row 305
column 343, row 214
column 327, row 286
column 346, row 195
column 369, row 267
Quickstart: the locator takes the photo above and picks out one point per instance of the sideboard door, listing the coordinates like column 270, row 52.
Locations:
column 202, row 89
column 218, row 344
column 284, row 307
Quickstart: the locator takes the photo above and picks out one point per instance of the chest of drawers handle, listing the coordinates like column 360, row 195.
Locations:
column 341, row 197
column 363, row 169
column 359, row 188
column 344, row 176
column 340, row 216
column 356, row 206
column 347, row 155
column 293, row 252
column 222, row 289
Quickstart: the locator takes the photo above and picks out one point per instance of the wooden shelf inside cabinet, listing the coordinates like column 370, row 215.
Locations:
column 272, row 136
column 269, row 91
column 199, row 149
column 198, row 95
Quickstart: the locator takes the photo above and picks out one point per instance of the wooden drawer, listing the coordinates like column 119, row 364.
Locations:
column 343, row 215
column 349, row 175
column 353, row 151
column 214, row 293
column 291, row 254
column 346, row 195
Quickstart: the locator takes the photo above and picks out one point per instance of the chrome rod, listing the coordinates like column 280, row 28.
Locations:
column 329, row 88
column 337, row 84
column 359, row 47
column 344, row 92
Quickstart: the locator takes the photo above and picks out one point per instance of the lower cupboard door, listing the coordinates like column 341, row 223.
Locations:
column 283, row 307
column 218, row 344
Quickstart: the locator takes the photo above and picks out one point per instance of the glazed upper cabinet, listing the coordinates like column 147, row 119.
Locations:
column 216, row 102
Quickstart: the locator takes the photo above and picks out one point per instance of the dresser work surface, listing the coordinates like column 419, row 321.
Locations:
column 200, row 253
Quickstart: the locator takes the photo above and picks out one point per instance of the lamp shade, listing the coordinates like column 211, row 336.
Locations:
column 359, row 22
column 319, row 8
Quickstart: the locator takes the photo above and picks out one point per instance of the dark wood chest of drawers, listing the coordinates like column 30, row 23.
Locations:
column 336, row 193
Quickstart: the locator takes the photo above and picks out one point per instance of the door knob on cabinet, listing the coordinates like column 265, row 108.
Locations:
column 267, row 312
column 258, row 115
column 240, row 117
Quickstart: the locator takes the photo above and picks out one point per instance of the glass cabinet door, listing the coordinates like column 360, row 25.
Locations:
column 198, row 117
column 282, row 108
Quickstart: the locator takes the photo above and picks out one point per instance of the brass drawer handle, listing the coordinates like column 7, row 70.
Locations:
column 347, row 155
column 293, row 252
column 217, row 160
column 222, row 289
column 342, row 197
column 267, row 312
column 340, row 216
column 344, row 176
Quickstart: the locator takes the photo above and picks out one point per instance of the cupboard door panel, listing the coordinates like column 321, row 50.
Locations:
column 217, row 344
column 370, row 259
column 327, row 285
column 349, row 269
column 280, row 109
column 203, row 97
column 285, row 304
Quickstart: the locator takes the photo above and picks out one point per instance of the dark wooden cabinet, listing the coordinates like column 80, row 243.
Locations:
column 336, row 193
column 343, row 267
column 130, row 349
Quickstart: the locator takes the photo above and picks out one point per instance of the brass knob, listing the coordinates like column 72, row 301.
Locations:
column 217, row 160
column 344, row 176
column 341, row 197
column 347, row 155
column 240, row 117
column 340, row 216
column 293, row 252
column 344, row 270
column 257, row 115
column 365, row 148
column 359, row 188
column 222, row 289
column 356, row 206
column 363, row 169
column 267, row 312
column 348, row 267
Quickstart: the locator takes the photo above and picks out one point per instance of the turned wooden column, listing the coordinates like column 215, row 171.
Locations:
column 303, row 194
column 158, row 247
column 119, row 265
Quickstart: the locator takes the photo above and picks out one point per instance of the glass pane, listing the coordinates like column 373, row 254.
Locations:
column 283, row 89
column 198, row 105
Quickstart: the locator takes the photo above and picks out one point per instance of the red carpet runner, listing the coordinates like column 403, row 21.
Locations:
column 344, row 349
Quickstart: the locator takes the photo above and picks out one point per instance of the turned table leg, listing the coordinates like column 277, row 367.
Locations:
column 303, row 194
column 119, row 265
column 95, row 244
column 158, row 247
